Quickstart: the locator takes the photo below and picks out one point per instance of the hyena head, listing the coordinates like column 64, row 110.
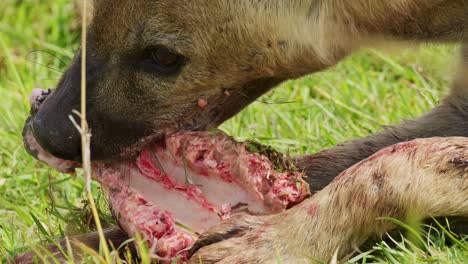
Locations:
column 154, row 65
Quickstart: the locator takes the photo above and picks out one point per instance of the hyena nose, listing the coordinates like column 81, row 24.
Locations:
column 61, row 140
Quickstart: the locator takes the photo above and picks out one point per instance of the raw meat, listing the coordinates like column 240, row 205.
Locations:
column 196, row 179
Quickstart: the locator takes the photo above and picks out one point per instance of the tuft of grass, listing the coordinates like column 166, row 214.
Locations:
column 403, row 250
column 369, row 89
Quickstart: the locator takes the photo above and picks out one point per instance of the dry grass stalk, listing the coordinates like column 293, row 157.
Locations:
column 86, row 137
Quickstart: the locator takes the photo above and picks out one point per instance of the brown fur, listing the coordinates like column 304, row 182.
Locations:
column 247, row 47
column 243, row 47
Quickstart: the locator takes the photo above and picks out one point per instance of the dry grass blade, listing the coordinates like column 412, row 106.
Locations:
column 86, row 140
column 334, row 259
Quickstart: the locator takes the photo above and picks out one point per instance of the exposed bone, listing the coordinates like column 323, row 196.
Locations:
column 196, row 179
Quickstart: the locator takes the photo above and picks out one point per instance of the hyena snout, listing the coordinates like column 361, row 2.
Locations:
column 54, row 132
column 49, row 122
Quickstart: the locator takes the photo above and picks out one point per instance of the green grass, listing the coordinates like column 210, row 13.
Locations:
column 352, row 100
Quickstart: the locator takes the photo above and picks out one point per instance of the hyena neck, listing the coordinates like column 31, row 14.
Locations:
column 304, row 36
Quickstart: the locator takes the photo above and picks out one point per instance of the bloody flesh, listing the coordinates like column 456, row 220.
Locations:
column 196, row 179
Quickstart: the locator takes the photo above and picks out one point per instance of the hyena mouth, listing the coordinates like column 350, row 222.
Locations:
column 184, row 183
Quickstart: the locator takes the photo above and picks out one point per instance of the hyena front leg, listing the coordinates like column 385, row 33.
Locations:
column 419, row 179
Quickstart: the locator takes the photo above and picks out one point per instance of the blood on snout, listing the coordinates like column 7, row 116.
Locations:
column 35, row 94
column 202, row 103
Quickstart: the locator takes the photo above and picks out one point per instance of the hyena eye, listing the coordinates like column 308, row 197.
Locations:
column 163, row 60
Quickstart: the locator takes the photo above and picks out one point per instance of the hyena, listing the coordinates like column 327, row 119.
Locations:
column 154, row 65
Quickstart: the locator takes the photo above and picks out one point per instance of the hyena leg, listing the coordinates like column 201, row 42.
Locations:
column 447, row 120
column 418, row 179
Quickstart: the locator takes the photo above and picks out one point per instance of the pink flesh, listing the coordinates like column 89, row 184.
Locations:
column 35, row 94
column 216, row 179
column 138, row 216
